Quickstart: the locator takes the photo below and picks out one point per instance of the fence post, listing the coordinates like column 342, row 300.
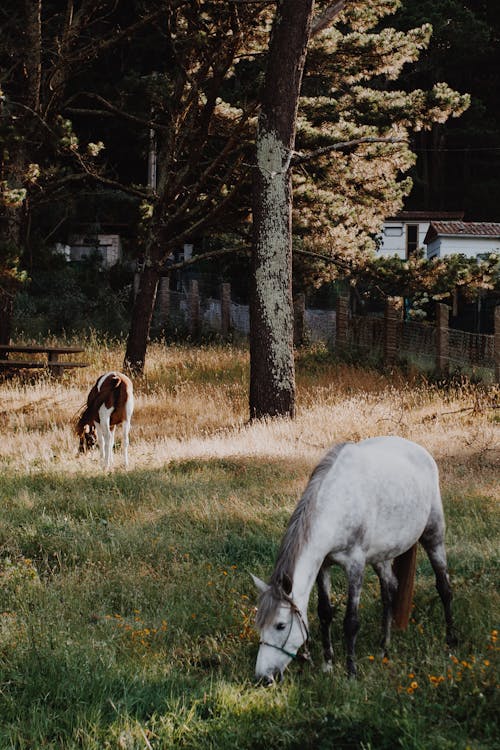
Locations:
column 299, row 311
column 163, row 300
column 393, row 316
column 442, row 338
column 193, row 308
column 225, row 308
column 496, row 343
column 341, row 323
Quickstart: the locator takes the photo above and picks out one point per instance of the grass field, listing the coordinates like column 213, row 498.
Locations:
column 126, row 605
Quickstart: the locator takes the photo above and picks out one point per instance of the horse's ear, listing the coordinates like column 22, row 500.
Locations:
column 261, row 586
column 286, row 584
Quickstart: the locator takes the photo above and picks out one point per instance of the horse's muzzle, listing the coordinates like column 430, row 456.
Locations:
column 265, row 681
column 269, row 679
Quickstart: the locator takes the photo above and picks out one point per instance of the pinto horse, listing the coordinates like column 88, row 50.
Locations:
column 365, row 503
column 109, row 403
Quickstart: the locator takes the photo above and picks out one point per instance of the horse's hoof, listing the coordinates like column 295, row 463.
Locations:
column 327, row 666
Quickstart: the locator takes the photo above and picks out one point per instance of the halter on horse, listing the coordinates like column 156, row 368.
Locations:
column 365, row 503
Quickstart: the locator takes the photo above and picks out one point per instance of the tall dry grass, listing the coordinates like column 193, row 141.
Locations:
column 192, row 403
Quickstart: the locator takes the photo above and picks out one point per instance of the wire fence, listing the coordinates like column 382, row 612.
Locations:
column 414, row 343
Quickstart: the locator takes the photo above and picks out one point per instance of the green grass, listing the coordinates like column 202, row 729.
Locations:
column 126, row 612
column 126, row 604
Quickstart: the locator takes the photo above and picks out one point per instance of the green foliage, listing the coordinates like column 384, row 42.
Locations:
column 424, row 282
column 351, row 94
column 74, row 298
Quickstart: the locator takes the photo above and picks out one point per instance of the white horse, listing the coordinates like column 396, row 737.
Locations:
column 109, row 403
column 365, row 503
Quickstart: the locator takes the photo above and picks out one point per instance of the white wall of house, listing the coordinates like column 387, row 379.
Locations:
column 471, row 246
column 109, row 247
column 396, row 234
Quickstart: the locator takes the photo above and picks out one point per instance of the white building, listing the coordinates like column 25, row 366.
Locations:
column 470, row 238
column 107, row 246
column 404, row 233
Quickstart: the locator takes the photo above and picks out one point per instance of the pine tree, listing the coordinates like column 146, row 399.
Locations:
column 353, row 136
column 351, row 96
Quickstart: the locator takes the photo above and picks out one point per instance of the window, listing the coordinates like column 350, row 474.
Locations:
column 411, row 239
column 393, row 231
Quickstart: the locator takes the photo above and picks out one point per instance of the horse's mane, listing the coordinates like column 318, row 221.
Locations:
column 296, row 535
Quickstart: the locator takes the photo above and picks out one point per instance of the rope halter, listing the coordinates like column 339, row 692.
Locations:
column 303, row 627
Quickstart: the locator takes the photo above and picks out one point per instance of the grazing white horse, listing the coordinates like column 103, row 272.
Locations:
column 109, row 403
column 365, row 503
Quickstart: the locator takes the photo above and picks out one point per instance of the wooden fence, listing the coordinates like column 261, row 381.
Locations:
column 386, row 339
column 432, row 347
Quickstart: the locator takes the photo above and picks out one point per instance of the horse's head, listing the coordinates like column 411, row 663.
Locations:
column 88, row 438
column 283, row 630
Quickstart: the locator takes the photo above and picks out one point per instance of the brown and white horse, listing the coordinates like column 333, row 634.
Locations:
column 109, row 403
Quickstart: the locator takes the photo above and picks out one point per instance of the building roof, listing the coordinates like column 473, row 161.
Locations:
column 427, row 216
column 462, row 229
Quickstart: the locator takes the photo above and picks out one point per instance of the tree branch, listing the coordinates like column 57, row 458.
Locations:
column 325, row 258
column 302, row 158
column 204, row 256
column 324, row 19
column 112, row 110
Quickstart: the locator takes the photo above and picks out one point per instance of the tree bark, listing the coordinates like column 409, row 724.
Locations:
column 272, row 371
column 137, row 341
column 6, row 314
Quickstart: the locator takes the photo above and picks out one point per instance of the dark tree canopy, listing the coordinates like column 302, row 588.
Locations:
column 86, row 86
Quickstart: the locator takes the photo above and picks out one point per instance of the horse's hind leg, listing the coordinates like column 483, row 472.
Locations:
column 325, row 614
column 388, row 588
column 437, row 556
column 125, row 431
column 355, row 572
column 111, row 446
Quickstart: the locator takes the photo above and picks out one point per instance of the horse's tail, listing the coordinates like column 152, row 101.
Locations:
column 404, row 569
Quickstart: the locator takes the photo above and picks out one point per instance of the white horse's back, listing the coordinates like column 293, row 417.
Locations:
column 381, row 493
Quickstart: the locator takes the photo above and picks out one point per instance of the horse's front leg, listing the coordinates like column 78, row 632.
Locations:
column 388, row 588
column 107, row 436
column 325, row 614
column 355, row 572
column 100, row 440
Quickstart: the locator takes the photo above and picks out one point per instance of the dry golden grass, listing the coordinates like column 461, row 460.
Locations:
column 192, row 403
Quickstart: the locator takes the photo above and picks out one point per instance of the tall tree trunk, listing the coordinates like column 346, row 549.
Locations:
column 6, row 312
column 272, row 371
column 142, row 314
